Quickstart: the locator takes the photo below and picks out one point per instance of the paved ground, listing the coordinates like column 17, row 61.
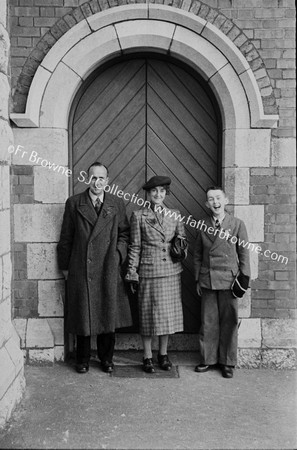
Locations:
column 64, row 410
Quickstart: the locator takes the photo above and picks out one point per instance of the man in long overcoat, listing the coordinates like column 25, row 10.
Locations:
column 92, row 247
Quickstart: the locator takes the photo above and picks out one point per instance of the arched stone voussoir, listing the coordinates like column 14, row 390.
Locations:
column 58, row 97
column 92, row 51
column 147, row 35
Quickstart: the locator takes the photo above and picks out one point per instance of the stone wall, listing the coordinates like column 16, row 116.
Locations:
column 12, row 380
column 263, row 31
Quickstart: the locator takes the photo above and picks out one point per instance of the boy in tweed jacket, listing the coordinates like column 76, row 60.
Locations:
column 220, row 253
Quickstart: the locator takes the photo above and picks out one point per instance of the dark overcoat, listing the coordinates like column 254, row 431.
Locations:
column 91, row 248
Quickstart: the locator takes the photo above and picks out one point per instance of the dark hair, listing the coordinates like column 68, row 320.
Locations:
column 97, row 164
column 166, row 186
column 215, row 188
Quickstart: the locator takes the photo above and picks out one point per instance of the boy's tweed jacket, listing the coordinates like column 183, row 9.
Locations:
column 217, row 260
column 150, row 241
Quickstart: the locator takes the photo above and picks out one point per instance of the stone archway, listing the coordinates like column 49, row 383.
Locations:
column 161, row 29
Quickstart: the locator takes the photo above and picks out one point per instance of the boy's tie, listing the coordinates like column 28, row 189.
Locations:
column 217, row 224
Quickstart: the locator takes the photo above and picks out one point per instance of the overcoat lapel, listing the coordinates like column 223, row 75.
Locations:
column 211, row 236
column 105, row 216
column 86, row 208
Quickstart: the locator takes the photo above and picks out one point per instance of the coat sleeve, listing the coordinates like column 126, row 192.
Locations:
column 123, row 232
column 243, row 251
column 134, row 249
column 65, row 243
column 198, row 253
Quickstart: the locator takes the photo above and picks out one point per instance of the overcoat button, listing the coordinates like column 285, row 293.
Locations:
column 164, row 259
column 164, row 249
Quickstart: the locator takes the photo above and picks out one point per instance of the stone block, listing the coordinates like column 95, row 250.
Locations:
column 283, row 152
column 6, row 274
column 51, row 186
column 141, row 34
column 15, row 355
column 183, row 18
column 226, row 46
column 5, row 321
column 248, row 358
column 237, row 184
column 253, row 217
column 5, row 232
column 232, row 101
column 58, row 95
column 249, row 333
column 64, row 44
column 59, row 353
column 121, row 14
column 244, row 305
column 37, row 223
column 279, row 359
column 251, row 148
column 49, row 143
column 191, row 47
column 7, row 372
column 4, row 96
column 42, row 262
column 57, row 328
column 12, row 397
column 92, row 50
column 254, row 262
column 279, row 333
column 51, row 298
column 20, row 326
column 6, row 139
column 4, row 187
column 36, row 92
column 39, row 334
column 43, row 357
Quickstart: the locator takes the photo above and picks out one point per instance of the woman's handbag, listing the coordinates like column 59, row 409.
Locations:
column 240, row 285
column 178, row 249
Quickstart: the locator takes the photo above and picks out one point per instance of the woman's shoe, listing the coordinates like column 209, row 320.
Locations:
column 164, row 362
column 148, row 365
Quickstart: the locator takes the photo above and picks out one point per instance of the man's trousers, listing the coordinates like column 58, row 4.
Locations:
column 218, row 333
column 105, row 347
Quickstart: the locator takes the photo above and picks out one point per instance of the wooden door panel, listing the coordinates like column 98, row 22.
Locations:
column 145, row 117
column 168, row 92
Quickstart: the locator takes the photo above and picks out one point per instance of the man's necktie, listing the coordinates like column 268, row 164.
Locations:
column 217, row 224
column 98, row 205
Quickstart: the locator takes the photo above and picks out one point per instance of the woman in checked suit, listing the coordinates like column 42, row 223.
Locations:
column 152, row 271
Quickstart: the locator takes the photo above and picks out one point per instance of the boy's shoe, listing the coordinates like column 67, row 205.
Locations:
column 201, row 368
column 164, row 362
column 107, row 366
column 227, row 371
column 148, row 365
column 82, row 367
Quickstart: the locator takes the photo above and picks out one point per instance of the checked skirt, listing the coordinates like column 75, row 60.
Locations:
column 160, row 305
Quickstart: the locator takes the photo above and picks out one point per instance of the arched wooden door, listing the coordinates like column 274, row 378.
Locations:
column 146, row 116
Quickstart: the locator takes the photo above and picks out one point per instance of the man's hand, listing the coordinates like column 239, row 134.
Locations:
column 133, row 286
column 198, row 289
column 65, row 273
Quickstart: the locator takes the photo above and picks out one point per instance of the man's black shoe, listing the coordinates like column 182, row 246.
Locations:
column 227, row 371
column 82, row 367
column 107, row 366
column 201, row 368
